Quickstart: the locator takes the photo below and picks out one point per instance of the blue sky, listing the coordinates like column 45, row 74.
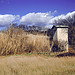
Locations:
column 30, row 8
column 23, row 7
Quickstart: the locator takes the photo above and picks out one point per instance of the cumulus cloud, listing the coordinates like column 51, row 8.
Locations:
column 40, row 19
column 47, row 19
column 7, row 19
column 64, row 19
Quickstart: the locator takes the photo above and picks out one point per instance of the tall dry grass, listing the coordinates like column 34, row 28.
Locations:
column 17, row 41
column 37, row 65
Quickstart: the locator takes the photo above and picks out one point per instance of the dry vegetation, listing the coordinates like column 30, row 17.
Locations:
column 17, row 41
column 37, row 65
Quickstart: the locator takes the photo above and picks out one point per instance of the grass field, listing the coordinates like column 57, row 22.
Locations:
column 28, row 54
column 36, row 65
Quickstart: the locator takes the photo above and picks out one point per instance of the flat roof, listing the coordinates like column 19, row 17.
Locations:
column 59, row 26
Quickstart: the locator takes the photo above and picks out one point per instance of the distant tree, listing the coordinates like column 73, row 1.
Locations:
column 21, row 26
column 14, row 25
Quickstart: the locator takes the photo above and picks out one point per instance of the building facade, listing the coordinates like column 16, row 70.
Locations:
column 60, row 34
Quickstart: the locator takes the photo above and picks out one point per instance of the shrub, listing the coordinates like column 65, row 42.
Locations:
column 17, row 41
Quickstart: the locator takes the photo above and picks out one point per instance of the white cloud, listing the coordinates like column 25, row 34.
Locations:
column 7, row 19
column 39, row 18
column 69, row 17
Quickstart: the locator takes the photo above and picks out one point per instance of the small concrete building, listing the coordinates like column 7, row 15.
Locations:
column 60, row 34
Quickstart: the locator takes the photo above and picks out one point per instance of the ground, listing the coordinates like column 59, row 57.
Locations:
column 37, row 65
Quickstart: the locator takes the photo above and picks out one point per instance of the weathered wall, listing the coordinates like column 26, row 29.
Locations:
column 61, row 35
column 55, row 36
